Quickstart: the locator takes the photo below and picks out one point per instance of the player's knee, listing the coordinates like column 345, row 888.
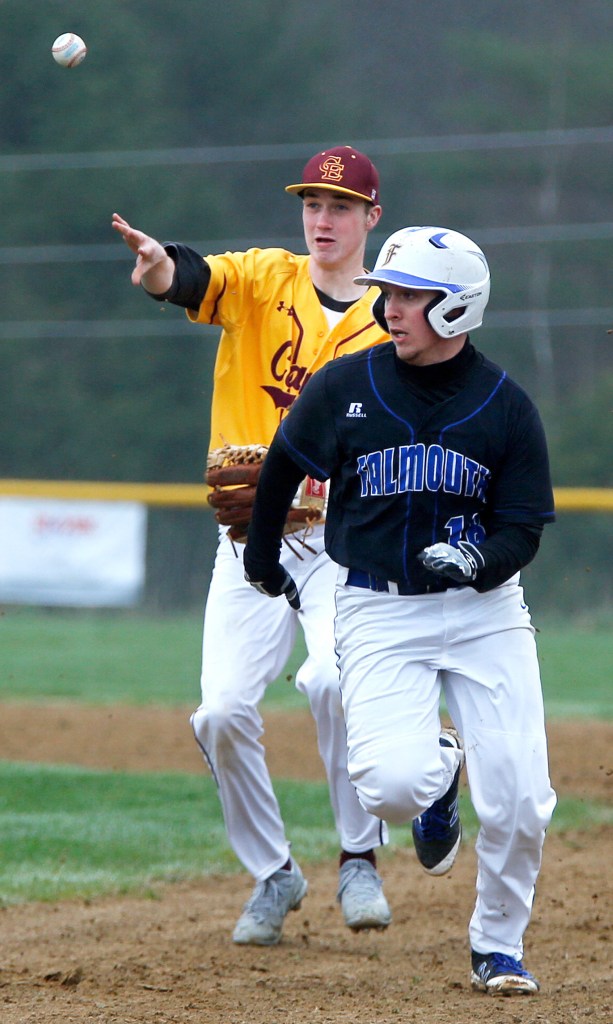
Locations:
column 394, row 807
column 531, row 829
column 404, row 801
column 219, row 726
column 387, row 792
column 525, row 819
column 322, row 691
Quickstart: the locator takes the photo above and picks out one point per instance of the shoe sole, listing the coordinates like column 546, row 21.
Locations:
column 367, row 926
column 504, row 985
column 456, row 741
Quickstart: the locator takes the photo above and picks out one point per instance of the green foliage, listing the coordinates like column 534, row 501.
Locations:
column 127, row 409
column 571, row 575
column 580, row 444
column 572, row 571
column 530, row 74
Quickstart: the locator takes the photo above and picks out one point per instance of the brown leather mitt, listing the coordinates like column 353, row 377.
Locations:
column 232, row 473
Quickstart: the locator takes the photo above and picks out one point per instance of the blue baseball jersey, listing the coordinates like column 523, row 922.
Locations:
column 409, row 467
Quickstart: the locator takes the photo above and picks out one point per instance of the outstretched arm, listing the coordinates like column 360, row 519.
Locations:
column 154, row 268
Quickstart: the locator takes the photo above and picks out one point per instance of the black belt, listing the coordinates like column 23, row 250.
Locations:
column 368, row 581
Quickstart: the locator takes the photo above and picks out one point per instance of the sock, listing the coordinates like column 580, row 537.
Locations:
column 368, row 855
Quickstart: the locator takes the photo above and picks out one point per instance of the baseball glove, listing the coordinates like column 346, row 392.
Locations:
column 232, row 473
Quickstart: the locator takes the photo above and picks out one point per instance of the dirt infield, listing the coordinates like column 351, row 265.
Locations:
column 169, row 958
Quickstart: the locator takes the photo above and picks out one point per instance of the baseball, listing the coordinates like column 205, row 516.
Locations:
column 69, row 50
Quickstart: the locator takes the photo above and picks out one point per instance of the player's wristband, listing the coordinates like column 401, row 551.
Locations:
column 473, row 556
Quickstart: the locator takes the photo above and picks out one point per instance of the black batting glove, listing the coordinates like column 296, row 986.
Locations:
column 460, row 564
column 276, row 583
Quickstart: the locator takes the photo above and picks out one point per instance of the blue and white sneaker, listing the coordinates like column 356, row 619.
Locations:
column 501, row 975
column 437, row 833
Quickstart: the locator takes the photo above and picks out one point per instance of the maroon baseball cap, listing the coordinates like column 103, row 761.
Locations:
column 341, row 169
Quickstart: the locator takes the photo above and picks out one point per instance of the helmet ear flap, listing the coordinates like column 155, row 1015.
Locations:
column 378, row 311
column 431, row 305
column 453, row 314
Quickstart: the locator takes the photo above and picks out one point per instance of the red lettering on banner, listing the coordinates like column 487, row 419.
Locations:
column 71, row 525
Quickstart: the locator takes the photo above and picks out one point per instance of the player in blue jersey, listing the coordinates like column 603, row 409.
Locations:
column 439, row 491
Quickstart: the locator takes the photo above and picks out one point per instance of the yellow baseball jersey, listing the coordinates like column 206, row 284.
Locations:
column 274, row 337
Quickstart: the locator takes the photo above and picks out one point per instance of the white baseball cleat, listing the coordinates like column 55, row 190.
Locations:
column 261, row 922
column 360, row 895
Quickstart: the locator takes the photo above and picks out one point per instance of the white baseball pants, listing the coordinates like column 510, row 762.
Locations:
column 396, row 656
column 247, row 640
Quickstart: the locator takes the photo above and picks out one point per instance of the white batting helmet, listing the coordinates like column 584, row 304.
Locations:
column 441, row 259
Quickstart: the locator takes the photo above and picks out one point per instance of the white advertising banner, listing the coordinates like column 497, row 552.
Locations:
column 72, row 553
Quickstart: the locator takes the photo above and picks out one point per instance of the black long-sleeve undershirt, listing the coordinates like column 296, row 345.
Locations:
column 278, row 483
column 191, row 277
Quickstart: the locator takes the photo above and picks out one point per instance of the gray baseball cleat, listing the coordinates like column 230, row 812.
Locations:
column 437, row 833
column 261, row 921
column 360, row 895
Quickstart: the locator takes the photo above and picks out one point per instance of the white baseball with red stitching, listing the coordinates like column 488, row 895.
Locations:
column 69, row 50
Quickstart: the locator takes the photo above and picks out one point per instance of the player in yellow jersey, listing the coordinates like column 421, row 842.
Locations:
column 282, row 316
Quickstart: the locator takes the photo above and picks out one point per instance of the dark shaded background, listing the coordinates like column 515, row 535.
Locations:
column 190, row 118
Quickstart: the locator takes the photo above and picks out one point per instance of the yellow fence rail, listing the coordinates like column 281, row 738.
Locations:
column 186, row 495
column 568, row 499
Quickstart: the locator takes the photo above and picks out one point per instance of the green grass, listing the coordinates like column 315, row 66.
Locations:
column 99, row 657
column 104, row 658
column 576, row 670
column 66, row 832
column 71, row 832
column 110, row 657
